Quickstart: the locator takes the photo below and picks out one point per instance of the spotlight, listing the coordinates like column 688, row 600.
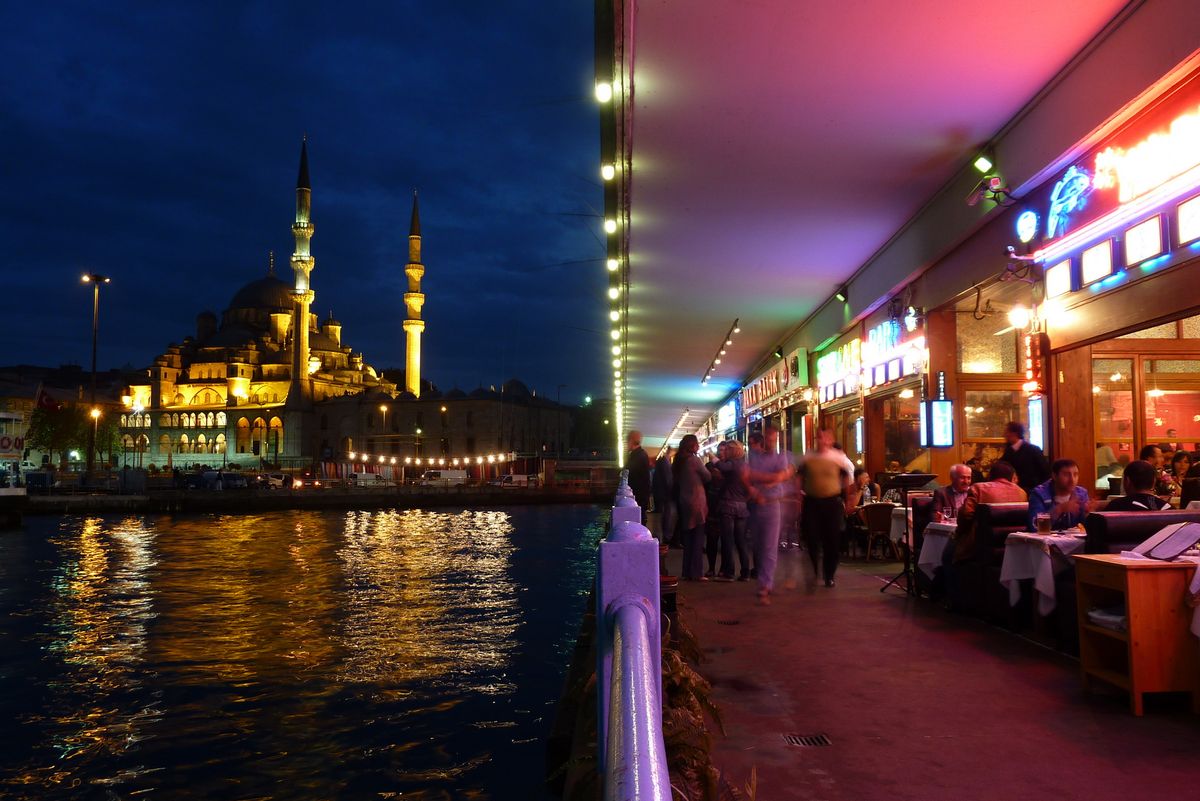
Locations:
column 613, row 265
column 779, row 353
column 610, row 226
column 840, row 294
column 604, row 91
column 607, row 172
column 983, row 163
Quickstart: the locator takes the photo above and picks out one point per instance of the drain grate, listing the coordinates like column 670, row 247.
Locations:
column 807, row 740
column 728, row 622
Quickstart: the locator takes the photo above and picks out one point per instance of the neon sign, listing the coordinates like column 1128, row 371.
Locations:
column 1069, row 196
column 1027, row 224
column 1151, row 162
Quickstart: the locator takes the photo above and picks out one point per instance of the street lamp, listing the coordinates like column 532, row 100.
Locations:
column 95, row 413
column 95, row 280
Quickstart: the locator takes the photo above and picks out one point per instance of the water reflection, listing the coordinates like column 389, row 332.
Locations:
column 289, row 655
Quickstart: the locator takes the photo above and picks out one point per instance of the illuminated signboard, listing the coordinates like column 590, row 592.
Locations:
column 838, row 370
column 1058, row 279
column 937, row 424
column 1189, row 221
column 1037, row 423
column 726, row 417
column 1096, row 262
column 1144, row 241
column 887, row 358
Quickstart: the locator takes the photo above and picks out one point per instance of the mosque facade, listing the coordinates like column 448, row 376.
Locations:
column 269, row 384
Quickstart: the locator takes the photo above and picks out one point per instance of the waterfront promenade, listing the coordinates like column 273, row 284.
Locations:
column 918, row 704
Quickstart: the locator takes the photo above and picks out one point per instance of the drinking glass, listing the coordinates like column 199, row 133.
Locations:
column 1043, row 522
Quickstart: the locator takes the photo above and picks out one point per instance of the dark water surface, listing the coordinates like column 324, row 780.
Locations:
column 291, row 655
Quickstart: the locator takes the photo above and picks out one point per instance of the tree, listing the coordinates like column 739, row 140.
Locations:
column 58, row 430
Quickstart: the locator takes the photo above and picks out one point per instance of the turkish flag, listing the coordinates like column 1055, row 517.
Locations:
column 44, row 401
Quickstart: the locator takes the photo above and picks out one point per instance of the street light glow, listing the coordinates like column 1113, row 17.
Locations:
column 608, row 172
column 610, row 226
column 604, row 91
column 613, row 264
column 613, row 292
column 95, row 413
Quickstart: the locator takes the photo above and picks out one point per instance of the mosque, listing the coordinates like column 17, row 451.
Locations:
column 269, row 384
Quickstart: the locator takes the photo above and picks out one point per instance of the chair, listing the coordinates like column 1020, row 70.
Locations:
column 878, row 517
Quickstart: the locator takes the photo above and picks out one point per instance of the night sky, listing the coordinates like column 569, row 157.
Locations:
column 159, row 146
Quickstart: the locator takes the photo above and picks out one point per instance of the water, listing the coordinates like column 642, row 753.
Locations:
column 291, row 655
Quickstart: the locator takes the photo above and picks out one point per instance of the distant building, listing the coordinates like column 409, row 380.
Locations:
column 268, row 383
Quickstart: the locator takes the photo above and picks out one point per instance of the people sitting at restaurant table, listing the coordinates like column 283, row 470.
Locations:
column 1025, row 457
column 1163, row 483
column 1181, row 462
column 1139, row 496
column 862, row 490
column 999, row 488
column 953, row 496
column 1061, row 497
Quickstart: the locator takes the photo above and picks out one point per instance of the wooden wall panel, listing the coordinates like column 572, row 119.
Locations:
column 1073, row 420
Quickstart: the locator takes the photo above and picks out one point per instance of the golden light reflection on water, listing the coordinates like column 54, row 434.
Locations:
column 296, row 632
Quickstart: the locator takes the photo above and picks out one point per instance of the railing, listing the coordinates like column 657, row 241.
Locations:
column 631, row 754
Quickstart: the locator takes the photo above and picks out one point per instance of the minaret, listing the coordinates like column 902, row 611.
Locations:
column 302, row 266
column 413, row 301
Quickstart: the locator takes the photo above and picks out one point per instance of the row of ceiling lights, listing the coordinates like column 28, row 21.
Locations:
column 726, row 342
column 605, row 92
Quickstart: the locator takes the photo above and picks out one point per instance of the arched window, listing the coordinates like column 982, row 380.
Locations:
column 243, row 436
column 164, row 421
column 124, row 421
column 175, row 421
column 201, row 444
column 164, row 445
column 206, row 397
column 143, row 443
column 126, row 442
column 178, row 399
column 221, row 419
column 219, row 444
column 184, row 445
column 275, row 441
column 258, row 437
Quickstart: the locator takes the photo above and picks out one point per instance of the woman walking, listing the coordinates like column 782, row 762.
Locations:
column 690, row 479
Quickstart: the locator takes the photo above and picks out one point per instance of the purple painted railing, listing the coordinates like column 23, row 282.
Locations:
column 632, row 757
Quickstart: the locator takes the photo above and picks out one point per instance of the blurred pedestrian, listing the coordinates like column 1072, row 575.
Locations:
column 691, row 477
column 826, row 473
column 714, row 491
column 768, row 472
column 733, row 512
column 638, row 464
column 664, row 501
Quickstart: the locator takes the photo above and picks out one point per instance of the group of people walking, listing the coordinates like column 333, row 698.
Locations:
column 740, row 505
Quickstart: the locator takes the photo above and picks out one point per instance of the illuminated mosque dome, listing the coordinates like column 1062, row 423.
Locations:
column 267, row 292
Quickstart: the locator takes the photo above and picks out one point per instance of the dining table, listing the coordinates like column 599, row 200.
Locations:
column 1040, row 557
column 938, row 536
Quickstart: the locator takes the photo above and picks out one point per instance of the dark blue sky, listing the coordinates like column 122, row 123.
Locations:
column 159, row 146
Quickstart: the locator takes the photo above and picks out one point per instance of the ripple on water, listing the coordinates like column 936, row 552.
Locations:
column 287, row 655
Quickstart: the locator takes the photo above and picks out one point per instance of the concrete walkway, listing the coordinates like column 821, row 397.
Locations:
column 919, row 704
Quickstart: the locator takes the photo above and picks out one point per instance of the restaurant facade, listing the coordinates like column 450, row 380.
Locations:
column 1075, row 310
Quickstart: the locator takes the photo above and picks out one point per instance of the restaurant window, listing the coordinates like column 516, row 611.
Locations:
column 1112, row 393
column 1171, row 399
column 847, row 427
column 901, row 420
column 985, row 414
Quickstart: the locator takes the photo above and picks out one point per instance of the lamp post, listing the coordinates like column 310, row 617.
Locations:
column 95, row 280
column 558, row 421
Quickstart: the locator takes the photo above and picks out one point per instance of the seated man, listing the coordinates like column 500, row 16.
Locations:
column 1139, row 490
column 953, row 496
column 1061, row 497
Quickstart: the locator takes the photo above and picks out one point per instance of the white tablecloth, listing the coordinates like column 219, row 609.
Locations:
column 901, row 517
column 937, row 537
column 1038, row 557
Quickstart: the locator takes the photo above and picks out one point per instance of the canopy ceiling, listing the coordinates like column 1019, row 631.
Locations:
column 778, row 144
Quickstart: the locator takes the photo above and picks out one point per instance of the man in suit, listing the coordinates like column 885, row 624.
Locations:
column 1025, row 457
column 953, row 496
